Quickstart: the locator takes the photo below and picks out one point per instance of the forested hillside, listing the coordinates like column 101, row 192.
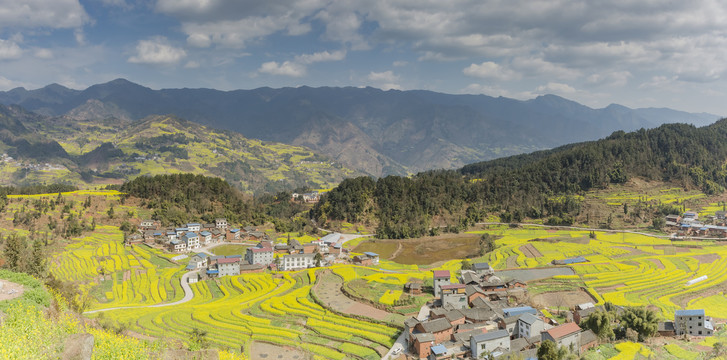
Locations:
column 542, row 185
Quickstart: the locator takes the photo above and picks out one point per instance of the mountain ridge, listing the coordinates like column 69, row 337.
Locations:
column 375, row 131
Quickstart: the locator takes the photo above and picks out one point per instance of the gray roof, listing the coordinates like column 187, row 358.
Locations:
column 424, row 337
column 491, row 336
column 518, row 344
column 411, row 322
column 666, row 326
column 528, row 318
column 436, row 325
column 699, row 312
column 453, row 315
column 478, row 314
column 587, row 337
column 470, row 277
column 481, row 266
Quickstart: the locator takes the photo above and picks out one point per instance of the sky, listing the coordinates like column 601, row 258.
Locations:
column 637, row 53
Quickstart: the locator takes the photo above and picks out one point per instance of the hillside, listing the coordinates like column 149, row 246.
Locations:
column 112, row 150
column 374, row 131
column 548, row 186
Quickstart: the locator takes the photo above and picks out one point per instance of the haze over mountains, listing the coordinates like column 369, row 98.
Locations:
column 374, row 131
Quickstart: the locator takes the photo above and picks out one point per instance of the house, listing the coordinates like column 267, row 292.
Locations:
column 191, row 239
column 413, row 288
column 441, row 277
column 297, row 261
column 589, row 340
column 692, row 322
column 260, row 255
column 134, row 239
column 441, row 328
column 422, row 344
column 582, row 311
column 218, row 235
column 221, row 223
column 489, row 342
column 483, row 268
column 567, row 335
column 228, row 266
column 181, row 231
column 367, row 259
column 233, row 234
column 454, row 296
column 519, row 310
column 199, row 260
column 149, row 224
column 205, row 237
column 194, row 227
column 177, row 246
column 310, row 248
column 666, row 328
column 171, row 235
column 529, row 325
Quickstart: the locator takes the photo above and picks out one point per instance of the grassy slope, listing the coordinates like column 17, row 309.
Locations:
column 249, row 164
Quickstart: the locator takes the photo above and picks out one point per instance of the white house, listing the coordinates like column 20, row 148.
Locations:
column 489, row 342
column 297, row 261
column 692, row 322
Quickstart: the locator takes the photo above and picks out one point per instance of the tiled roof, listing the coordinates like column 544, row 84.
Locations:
column 437, row 325
column 228, row 260
column 441, row 274
column 699, row 312
column 491, row 336
column 563, row 330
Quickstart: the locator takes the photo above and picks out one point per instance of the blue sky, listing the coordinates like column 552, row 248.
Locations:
column 638, row 53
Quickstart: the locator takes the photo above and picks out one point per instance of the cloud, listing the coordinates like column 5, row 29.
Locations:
column 9, row 50
column 157, row 51
column 490, row 70
column 557, row 88
column 56, row 14
column 43, row 53
column 191, row 65
column 7, row 84
column 400, row 63
column 287, row 68
column 386, row 80
column 298, row 67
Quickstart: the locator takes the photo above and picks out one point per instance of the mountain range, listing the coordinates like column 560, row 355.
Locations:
column 373, row 131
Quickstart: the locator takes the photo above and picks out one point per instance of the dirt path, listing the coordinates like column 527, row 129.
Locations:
column 530, row 251
column 397, row 252
column 10, row 290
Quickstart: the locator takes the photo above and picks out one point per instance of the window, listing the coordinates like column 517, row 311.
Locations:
column 700, row 332
column 699, row 324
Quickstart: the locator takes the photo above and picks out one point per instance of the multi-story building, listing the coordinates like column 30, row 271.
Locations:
column 441, row 277
column 297, row 261
column 228, row 266
column 692, row 322
column 260, row 255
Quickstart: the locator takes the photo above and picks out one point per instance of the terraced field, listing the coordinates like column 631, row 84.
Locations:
column 626, row 269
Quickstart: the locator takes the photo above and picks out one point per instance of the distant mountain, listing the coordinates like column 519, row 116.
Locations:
column 378, row 132
column 111, row 150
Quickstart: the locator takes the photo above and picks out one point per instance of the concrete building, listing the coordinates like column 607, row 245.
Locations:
column 567, row 335
column 297, row 261
column 441, row 277
column 529, row 325
column 692, row 322
column 489, row 342
column 228, row 266
column 260, row 255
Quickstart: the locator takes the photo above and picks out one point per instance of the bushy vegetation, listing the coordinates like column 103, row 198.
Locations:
column 545, row 185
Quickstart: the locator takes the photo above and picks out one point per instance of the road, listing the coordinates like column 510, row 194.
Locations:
column 188, row 295
column 672, row 236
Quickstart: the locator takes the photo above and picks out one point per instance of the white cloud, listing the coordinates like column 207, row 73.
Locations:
column 321, row 56
column 490, row 70
column 287, row 68
column 42, row 13
column 557, row 88
column 298, row 67
column 400, row 63
column 43, row 53
column 157, row 51
column 9, row 50
column 386, row 80
column 7, row 84
column 191, row 65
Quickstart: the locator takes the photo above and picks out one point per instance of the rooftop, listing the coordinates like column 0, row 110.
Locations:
column 436, row 325
column 563, row 330
column 227, row 260
column 438, row 274
column 528, row 318
column 699, row 312
column 491, row 336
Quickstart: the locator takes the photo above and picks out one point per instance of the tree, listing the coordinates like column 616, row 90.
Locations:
column 548, row 350
column 36, row 267
column 110, row 213
column 198, row 339
column 487, row 244
column 641, row 320
column 466, row 264
column 318, row 257
column 658, row 223
column 718, row 349
column 600, row 323
column 14, row 249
